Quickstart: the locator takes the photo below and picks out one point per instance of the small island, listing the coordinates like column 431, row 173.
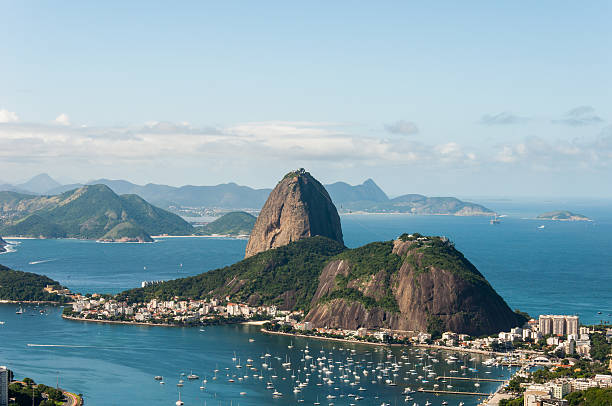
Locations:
column 563, row 215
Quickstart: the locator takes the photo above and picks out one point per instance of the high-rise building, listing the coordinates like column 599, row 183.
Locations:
column 571, row 324
column 4, row 383
column 558, row 324
column 545, row 325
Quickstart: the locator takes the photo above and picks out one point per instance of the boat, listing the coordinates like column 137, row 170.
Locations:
column 495, row 220
column 158, row 378
column 20, row 311
column 251, row 340
column 192, row 376
column 179, row 402
column 541, row 227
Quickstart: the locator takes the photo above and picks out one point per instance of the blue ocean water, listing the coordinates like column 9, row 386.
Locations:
column 561, row 268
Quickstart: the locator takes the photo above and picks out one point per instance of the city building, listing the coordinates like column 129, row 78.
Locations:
column 4, row 383
column 558, row 324
column 534, row 394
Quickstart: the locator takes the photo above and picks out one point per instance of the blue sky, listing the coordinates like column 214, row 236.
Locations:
column 478, row 98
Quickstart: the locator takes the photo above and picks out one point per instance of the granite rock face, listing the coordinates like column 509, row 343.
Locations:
column 298, row 207
column 428, row 293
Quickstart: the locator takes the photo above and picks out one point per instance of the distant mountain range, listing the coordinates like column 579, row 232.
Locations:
column 89, row 212
column 366, row 197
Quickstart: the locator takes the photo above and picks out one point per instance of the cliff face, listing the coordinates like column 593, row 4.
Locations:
column 298, row 207
column 431, row 287
column 2, row 245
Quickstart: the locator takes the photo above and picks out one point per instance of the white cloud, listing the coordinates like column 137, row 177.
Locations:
column 8, row 116
column 62, row 119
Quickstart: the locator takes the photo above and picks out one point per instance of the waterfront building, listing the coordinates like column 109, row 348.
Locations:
column 558, row 324
column 4, row 383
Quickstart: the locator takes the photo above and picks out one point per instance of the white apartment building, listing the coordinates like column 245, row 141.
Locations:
column 558, row 324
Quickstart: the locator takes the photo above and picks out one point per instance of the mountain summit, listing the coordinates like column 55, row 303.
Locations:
column 298, row 207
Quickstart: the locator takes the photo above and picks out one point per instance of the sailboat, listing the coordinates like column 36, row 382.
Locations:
column 179, row 402
column 495, row 220
column 20, row 311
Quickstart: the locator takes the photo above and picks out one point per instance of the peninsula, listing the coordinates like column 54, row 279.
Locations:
column 18, row 286
column 296, row 261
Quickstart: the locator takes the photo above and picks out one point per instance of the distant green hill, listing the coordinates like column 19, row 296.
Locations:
column 234, row 223
column 36, row 226
column 127, row 232
column 90, row 212
column 563, row 215
column 26, row 286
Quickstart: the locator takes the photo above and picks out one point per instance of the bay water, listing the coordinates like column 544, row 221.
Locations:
column 563, row 268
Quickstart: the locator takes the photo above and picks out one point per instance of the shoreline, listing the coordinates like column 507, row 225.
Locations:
column 142, row 323
column 344, row 340
column 135, row 323
column 31, row 302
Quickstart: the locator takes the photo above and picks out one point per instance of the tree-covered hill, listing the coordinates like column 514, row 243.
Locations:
column 234, row 223
column 285, row 276
column 90, row 212
column 26, row 286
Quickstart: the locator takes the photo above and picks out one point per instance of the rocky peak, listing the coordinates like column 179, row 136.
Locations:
column 298, row 207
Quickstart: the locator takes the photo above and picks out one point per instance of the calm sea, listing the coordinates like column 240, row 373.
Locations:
column 561, row 268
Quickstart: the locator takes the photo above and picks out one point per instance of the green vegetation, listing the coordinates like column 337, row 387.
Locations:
column 128, row 231
column 24, row 392
column 34, row 225
column 26, row 286
column 524, row 315
column 512, row 402
column 234, row 223
column 562, row 215
column 90, row 213
column 296, row 173
column 582, row 369
column 367, row 263
column 284, row 276
column 435, row 327
column 438, row 253
column 590, row 397
column 600, row 348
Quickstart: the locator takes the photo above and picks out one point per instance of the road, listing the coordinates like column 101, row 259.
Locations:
column 71, row 399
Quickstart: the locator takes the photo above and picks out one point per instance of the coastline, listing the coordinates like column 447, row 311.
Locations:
column 344, row 340
column 141, row 323
column 135, row 323
column 30, row 302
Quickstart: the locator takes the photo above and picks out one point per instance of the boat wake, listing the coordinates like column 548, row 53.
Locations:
column 61, row 345
column 41, row 261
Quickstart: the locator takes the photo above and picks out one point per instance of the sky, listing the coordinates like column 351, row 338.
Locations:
column 441, row 98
